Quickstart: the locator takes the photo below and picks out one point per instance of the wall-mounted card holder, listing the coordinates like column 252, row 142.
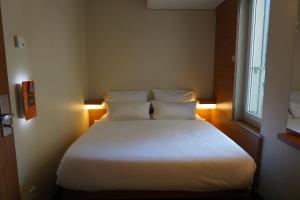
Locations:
column 26, row 100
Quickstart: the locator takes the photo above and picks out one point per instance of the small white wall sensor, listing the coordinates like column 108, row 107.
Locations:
column 19, row 42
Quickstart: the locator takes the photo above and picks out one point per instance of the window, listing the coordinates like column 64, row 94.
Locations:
column 259, row 24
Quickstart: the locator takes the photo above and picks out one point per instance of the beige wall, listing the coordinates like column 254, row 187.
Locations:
column 133, row 49
column 55, row 57
column 296, row 67
column 279, row 176
column 130, row 47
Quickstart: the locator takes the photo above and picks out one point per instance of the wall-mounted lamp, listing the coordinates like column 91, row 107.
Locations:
column 94, row 104
column 206, row 104
column 93, row 107
column 96, row 109
column 98, row 104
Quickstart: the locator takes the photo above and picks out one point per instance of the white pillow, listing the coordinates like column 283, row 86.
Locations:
column 127, row 96
column 295, row 109
column 123, row 111
column 173, row 95
column 174, row 110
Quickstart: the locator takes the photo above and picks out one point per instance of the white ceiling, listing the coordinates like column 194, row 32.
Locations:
column 183, row 4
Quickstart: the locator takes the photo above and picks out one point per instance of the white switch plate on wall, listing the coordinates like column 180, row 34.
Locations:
column 19, row 42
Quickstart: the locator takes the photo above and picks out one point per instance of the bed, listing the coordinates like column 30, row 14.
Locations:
column 155, row 155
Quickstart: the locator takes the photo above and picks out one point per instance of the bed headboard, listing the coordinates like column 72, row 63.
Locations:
column 95, row 111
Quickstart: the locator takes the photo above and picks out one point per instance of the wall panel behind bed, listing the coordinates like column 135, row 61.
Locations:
column 226, row 41
column 131, row 47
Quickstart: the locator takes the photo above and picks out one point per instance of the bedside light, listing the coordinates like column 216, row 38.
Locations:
column 94, row 107
column 94, row 104
column 206, row 106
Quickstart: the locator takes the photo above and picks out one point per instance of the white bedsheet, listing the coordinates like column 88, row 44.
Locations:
column 294, row 125
column 155, row 155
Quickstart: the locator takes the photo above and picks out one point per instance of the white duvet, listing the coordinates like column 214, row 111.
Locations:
column 155, row 155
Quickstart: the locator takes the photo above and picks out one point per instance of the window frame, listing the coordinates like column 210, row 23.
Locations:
column 247, row 116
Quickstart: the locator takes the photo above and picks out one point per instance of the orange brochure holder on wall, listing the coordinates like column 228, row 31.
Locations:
column 28, row 95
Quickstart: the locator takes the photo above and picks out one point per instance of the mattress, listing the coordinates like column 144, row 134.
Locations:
column 294, row 125
column 155, row 155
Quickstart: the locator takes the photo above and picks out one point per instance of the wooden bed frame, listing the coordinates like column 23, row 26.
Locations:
column 245, row 136
column 129, row 195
